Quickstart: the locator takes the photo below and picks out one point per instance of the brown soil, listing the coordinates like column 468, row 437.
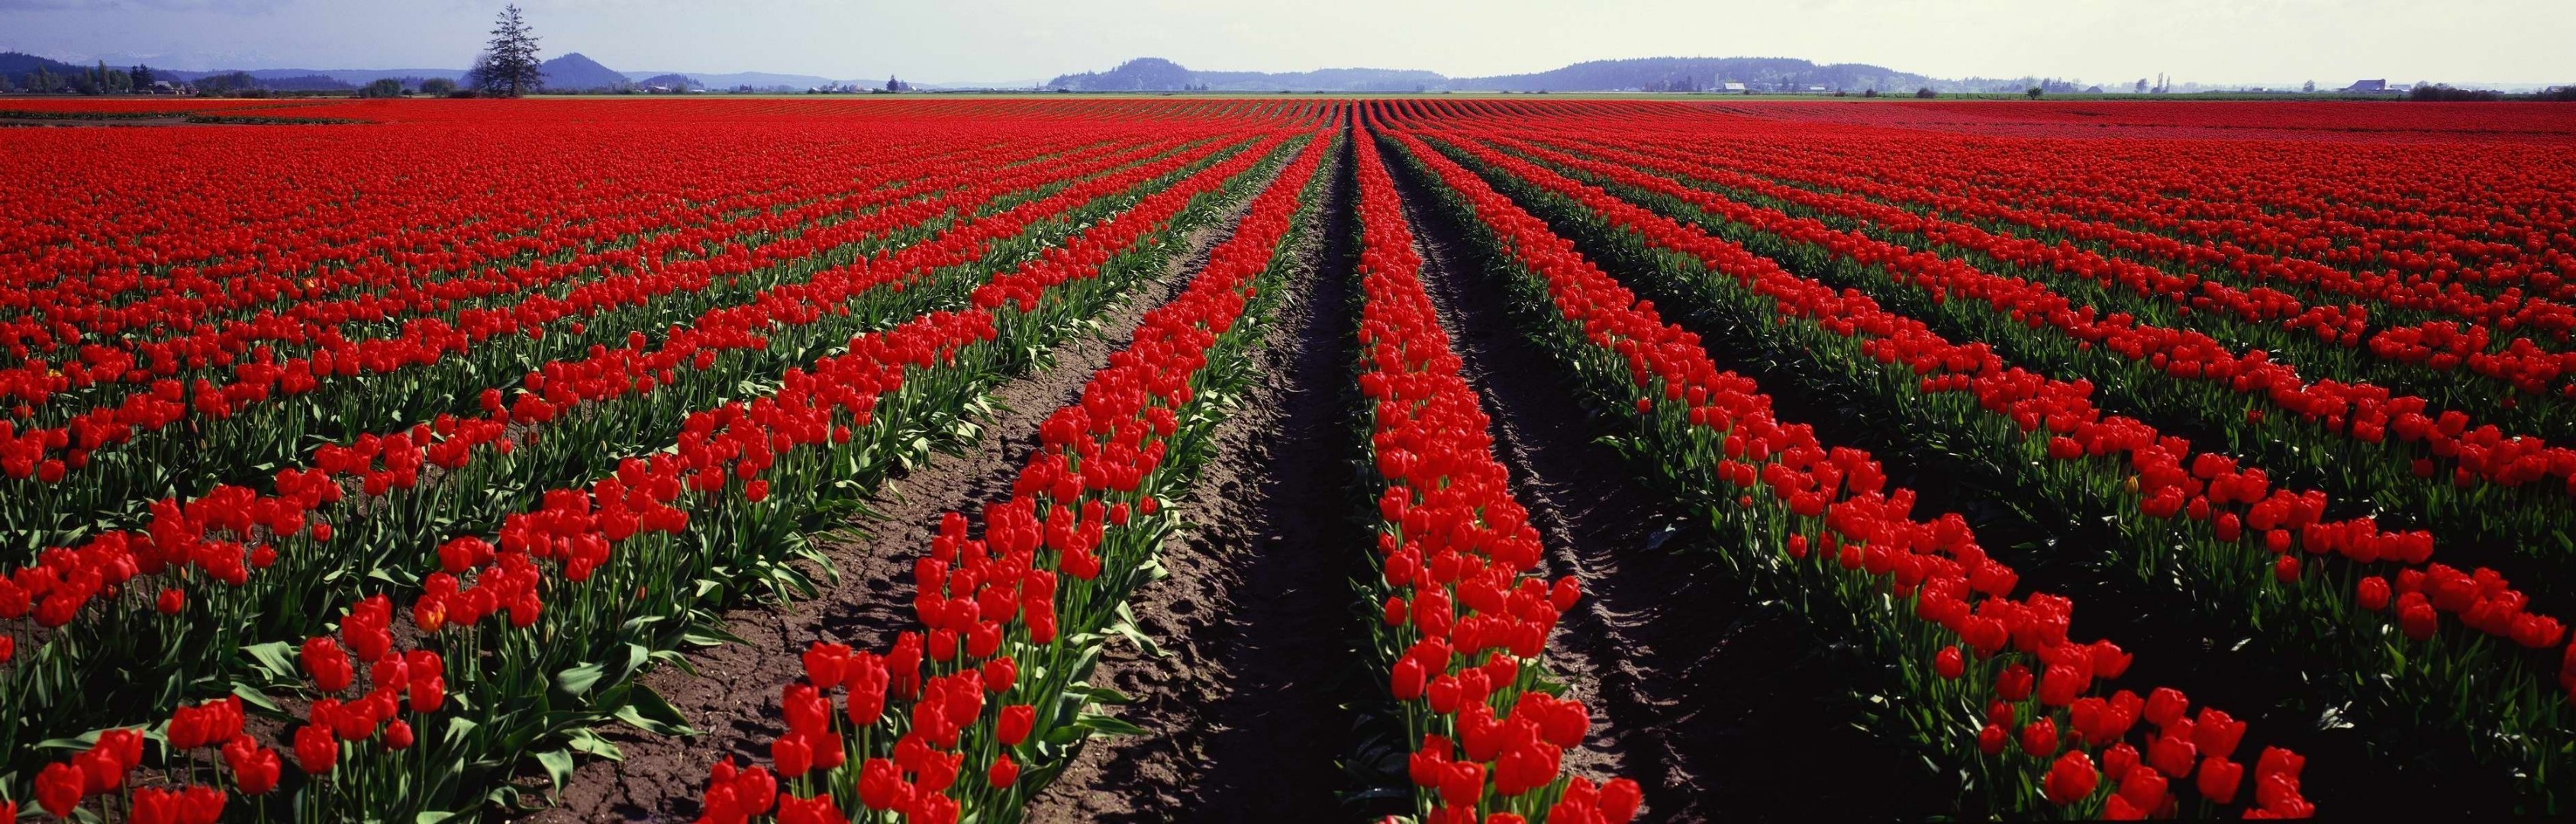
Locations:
column 733, row 698
column 1245, row 722
column 1720, row 706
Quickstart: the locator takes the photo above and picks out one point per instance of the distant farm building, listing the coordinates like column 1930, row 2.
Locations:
column 2368, row 86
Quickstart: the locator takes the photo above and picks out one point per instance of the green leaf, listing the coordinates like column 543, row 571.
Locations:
column 458, row 727
column 273, row 658
column 578, row 680
column 81, row 742
column 432, row 817
column 587, row 741
column 558, row 764
column 1103, row 726
column 1100, row 695
column 1125, row 627
column 647, row 711
column 252, row 696
column 636, row 655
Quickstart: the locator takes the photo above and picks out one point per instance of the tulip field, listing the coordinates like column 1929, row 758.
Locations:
column 1487, row 460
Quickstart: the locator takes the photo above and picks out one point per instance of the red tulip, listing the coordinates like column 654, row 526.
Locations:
column 792, row 755
column 2418, row 621
column 59, row 789
column 2014, row 683
column 2165, row 706
column 826, row 664
column 1620, row 798
column 2119, row 759
column 1003, row 773
column 2372, row 593
column 2144, row 789
column 2219, row 778
column 2215, row 733
column 317, row 750
column 2039, row 738
column 2117, row 808
column 398, row 734
column 879, row 782
column 254, row 768
column 1014, row 725
column 328, row 665
column 2172, row 754
column 1948, row 664
column 2070, row 779
column 2063, row 682
column 1463, row 784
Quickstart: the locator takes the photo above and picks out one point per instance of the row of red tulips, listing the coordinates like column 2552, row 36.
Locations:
column 345, row 221
column 2198, row 513
column 181, row 437
column 1820, row 526
column 2353, row 436
column 569, row 424
column 2414, row 259
column 2347, row 392
column 179, row 326
column 1467, row 609
column 2315, row 261
column 2454, row 362
column 968, row 718
column 541, row 630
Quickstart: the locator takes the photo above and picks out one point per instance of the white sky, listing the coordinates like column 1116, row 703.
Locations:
column 2272, row 41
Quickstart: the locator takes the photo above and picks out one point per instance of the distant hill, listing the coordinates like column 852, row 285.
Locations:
column 674, row 82
column 1157, row 74
column 18, row 63
column 573, row 72
column 1356, row 80
column 757, row 80
column 19, row 66
column 1642, row 74
column 353, row 77
column 1699, row 74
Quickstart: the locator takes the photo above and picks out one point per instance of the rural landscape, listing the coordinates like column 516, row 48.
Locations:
column 1655, row 439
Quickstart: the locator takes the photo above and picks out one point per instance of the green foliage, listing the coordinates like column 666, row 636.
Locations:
column 508, row 66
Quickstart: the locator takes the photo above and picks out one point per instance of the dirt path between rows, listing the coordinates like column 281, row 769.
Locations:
column 1243, row 709
column 733, row 698
column 1720, row 706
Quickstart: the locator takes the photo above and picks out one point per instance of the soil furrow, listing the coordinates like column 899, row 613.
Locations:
column 1719, row 705
column 733, row 698
column 1243, row 718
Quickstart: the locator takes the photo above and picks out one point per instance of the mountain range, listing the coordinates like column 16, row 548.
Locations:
column 576, row 72
column 1641, row 74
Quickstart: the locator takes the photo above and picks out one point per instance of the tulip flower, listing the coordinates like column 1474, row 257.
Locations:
column 2039, row 738
column 2070, row 779
column 317, row 749
column 59, row 789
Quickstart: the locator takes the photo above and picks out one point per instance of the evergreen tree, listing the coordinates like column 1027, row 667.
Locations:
column 508, row 66
column 142, row 77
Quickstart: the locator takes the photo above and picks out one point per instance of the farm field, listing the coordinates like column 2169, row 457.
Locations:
column 1476, row 459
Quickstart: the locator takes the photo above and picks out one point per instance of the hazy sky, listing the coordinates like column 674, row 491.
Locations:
column 2330, row 41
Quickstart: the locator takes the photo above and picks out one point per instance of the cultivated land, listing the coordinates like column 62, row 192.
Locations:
column 1101, row 457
